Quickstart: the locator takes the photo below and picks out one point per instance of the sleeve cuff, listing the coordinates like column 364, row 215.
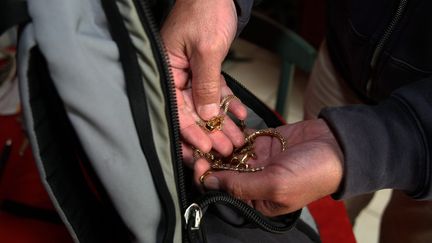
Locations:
column 382, row 148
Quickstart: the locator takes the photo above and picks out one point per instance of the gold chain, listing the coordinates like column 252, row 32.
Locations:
column 216, row 123
column 237, row 161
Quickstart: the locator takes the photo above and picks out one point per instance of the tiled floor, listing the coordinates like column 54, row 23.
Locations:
column 260, row 74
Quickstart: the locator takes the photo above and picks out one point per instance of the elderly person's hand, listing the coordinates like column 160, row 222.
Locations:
column 197, row 35
column 310, row 168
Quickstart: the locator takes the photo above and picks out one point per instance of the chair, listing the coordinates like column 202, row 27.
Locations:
column 290, row 47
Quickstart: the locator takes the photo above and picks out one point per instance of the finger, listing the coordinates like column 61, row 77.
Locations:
column 187, row 152
column 190, row 131
column 272, row 209
column 201, row 166
column 266, row 194
column 218, row 140
column 236, row 107
column 244, row 186
column 195, row 136
column 256, row 187
column 233, row 132
column 263, row 151
column 221, row 143
column 206, row 82
column 181, row 77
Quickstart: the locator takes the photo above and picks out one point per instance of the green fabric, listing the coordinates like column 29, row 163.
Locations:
column 156, row 100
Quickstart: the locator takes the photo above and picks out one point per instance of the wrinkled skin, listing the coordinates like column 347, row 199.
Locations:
column 196, row 51
column 309, row 169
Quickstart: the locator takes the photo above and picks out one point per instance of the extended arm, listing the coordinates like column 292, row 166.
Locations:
column 388, row 145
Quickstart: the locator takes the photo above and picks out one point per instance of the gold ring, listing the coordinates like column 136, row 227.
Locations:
column 202, row 178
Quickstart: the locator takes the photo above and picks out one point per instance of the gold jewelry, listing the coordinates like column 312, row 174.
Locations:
column 225, row 102
column 237, row 161
column 202, row 178
column 199, row 154
column 216, row 123
column 267, row 132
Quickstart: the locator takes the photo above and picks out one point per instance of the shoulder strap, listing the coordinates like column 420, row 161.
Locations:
column 12, row 12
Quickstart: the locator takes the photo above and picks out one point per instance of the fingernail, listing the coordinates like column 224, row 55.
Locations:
column 211, row 182
column 206, row 112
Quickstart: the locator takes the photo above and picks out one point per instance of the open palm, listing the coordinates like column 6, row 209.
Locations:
column 197, row 36
column 309, row 169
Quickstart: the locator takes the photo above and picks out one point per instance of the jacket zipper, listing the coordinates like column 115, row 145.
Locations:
column 160, row 52
column 169, row 89
column 194, row 213
column 385, row 37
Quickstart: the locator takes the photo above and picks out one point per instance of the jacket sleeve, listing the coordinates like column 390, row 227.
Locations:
column 387, row 145
column 244, row 8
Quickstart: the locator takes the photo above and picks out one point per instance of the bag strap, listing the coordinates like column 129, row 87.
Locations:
column 12, row 12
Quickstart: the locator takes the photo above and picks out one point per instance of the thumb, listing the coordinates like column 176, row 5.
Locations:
column 206, row 83
column 245, row 186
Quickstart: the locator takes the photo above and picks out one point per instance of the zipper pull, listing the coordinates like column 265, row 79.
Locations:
column 193, row 211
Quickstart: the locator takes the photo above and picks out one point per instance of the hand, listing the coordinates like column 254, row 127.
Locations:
column 197, row 36
column 309, row 169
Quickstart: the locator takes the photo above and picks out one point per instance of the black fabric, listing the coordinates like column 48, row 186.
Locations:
column 244, row 9
column 308, row 231
column 12, row 12
column 388, row 145
column 219, row 231
column 355, row 28
column 237, row 213
column 160, row 9
column 93, row 220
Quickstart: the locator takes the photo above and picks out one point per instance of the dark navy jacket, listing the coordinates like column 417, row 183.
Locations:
column 383, row 49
